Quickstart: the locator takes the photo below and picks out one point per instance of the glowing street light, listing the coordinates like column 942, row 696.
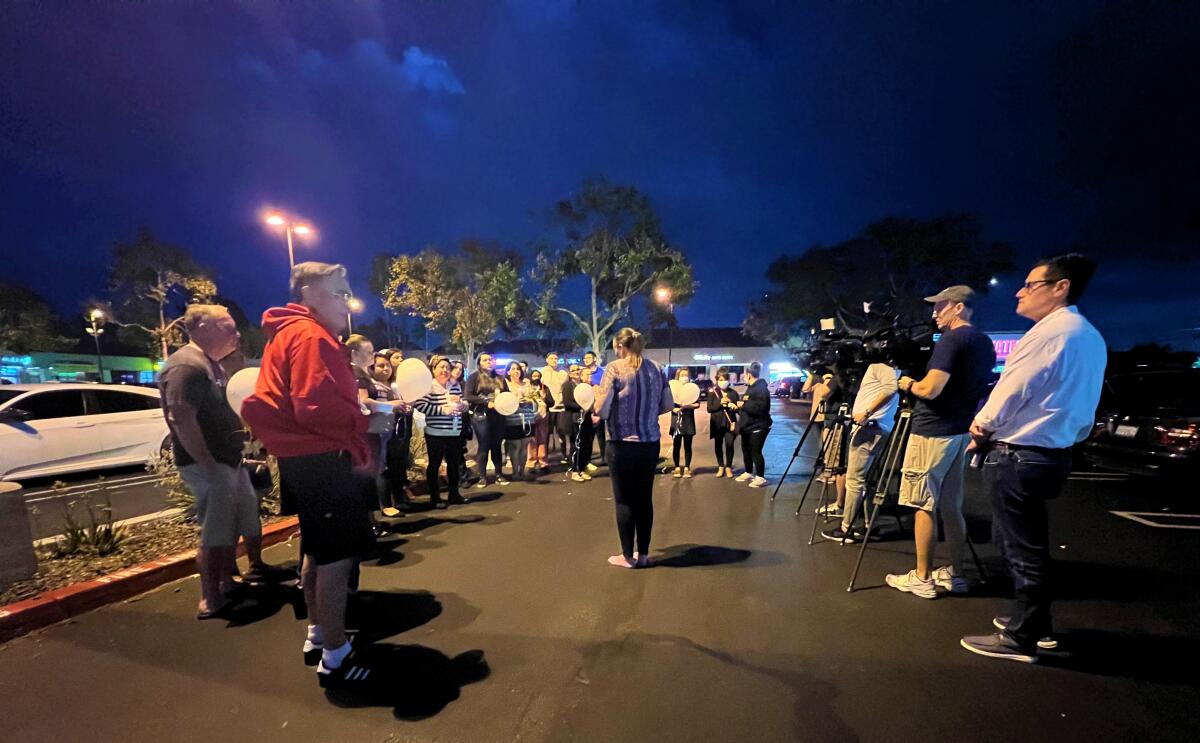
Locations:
column 275, row 219
column 354, row 306
column 96, row 317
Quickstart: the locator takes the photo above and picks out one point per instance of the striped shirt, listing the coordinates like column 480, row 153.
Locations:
column 440, row 418
column 630, row 400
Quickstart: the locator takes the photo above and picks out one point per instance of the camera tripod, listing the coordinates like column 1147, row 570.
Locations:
column 886, row 470
column 812, row 423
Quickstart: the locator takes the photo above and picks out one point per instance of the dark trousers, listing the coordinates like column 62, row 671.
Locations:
column 584, row 434
column 398, row 457
column 489, row 437
column 752, row 452
column 1020, row 482
column 723, row 447
column 686, row 442
column 631, row 465
column 448, row 449
column 600, row 440
column 568, row 430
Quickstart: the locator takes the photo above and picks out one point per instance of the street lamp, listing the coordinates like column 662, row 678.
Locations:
column 96, row 317
column 663, row 295
column 353, row 305
column 275, row 219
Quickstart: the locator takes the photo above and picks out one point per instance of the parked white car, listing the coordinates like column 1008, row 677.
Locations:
column 51, row 429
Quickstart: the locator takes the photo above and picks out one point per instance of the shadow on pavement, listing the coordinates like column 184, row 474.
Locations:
column 1125, row 655
column 417, row 682
column 381, row 614
column 703, row 555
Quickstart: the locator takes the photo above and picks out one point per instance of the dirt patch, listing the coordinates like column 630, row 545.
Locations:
column 149, row 541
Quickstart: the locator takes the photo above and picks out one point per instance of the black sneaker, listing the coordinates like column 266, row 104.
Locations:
column 1046, row 643
column 997, row 646
column 349, row 674
column 837, row 535
column 457, row 500
column 440, row 505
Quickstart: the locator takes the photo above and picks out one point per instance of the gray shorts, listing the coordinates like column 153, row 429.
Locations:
column 933, row 472
column 226, row 504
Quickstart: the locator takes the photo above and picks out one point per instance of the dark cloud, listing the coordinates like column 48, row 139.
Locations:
column 755, row 128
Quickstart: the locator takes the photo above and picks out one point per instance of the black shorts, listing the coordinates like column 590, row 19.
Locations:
column 327, row 496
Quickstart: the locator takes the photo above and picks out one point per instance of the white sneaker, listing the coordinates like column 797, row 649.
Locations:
column 743, row 477
column 578, row 477
column 591, row 467
column 945, row 579
column 829, row 509
column 758, row 482
column 910, row 583
column 585, row 475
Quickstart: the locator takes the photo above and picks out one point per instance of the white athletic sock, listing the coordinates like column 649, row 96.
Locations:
column 314, row 634
column 332, row 659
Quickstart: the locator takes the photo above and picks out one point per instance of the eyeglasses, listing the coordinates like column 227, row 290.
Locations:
column 1029, row 285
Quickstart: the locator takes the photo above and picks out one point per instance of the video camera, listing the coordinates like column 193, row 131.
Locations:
column 885, row 339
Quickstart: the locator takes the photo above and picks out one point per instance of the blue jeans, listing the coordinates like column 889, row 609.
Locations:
column 1020, row 481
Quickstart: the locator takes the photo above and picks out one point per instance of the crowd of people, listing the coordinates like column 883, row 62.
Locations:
column 329, row 408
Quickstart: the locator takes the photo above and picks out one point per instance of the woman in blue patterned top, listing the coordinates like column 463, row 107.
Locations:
column 633, row 393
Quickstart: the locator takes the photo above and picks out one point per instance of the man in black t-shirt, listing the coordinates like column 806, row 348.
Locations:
column 206, row 439
column 932, row 477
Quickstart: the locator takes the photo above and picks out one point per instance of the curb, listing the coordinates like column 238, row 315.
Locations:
column 54, row 606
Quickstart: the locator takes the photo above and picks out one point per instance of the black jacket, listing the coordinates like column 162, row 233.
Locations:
column 756, row 413
column 480, row 389
column 721, row 418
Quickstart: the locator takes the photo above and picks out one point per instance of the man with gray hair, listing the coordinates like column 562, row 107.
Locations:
column 305, row 409
column 206, row 440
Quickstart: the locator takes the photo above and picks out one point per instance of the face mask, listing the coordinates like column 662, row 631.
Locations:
column 723, row 385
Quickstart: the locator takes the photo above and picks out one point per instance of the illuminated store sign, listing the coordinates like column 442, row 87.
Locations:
column 712, row 356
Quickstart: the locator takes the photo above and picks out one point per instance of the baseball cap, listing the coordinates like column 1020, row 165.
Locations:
column 956, row 293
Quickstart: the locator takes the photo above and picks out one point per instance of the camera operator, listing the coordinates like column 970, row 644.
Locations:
column 932, row 476
column 874, row 415
column 1044, row 403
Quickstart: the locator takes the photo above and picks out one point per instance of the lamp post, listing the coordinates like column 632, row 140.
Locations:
column 96, row 317
column 663, row 295
column 354, row 305
column 301, row 229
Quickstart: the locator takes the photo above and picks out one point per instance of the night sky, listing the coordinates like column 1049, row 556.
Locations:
column 756, row 128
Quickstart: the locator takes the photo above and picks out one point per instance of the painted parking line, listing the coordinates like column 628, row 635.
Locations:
column 1160, row 520
column 93, row 484
column 80, row 493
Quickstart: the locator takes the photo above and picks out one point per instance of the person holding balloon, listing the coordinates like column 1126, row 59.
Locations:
column 683, row 424
column 633, row 393
column 443, row 426
column 519, row 423
column 580, row 430
column 480, row 392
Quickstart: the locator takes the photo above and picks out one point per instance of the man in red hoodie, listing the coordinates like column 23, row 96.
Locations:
column 305, row 410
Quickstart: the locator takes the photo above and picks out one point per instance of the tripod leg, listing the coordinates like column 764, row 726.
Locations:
column 983, row 577
column 862, row 549
column 818, row 468
column 795, row 456
column 812, row 538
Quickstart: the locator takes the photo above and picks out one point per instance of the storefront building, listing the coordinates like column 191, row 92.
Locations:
column 35, row 368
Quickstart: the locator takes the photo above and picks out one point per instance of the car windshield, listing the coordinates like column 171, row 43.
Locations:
column 1155, row 390
column 6, row 395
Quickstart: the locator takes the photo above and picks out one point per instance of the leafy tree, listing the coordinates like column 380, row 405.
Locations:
column 469, row 296
column 152, row 282
column 616, row 249
column 27, row 322
column 892, row 263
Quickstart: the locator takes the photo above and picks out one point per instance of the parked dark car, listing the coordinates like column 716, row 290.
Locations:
column 789, row 387
column 1148, row 424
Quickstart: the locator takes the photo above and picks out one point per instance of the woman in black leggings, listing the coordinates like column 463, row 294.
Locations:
column 722, row 422
column 754, row 422
column 631, row 396
column 683, row 429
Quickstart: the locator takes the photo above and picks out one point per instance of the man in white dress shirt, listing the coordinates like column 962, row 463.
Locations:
column 1043, row 404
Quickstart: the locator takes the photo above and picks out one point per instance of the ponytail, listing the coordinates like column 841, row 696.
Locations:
column 634, row 344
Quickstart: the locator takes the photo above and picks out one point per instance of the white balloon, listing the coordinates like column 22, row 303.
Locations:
column 240, row 386
column 675, row 384
column 688, row 394
column 506, row 403
column 413, row 380
column 585, row 395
